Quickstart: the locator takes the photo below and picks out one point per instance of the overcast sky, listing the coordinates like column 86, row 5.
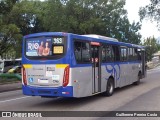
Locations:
column 148, row 28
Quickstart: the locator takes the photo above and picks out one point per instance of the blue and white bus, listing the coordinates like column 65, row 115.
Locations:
column 57, row 64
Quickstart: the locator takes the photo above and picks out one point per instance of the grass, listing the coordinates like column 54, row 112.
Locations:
column 9, row 78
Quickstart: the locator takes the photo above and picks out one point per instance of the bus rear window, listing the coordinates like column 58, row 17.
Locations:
column 41, row 47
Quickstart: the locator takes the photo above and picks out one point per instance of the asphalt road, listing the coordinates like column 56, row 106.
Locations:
column 144, row 97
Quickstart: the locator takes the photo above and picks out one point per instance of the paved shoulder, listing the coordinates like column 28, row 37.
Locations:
column 10, row 87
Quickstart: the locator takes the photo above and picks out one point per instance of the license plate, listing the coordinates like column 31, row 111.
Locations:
column 43, row 81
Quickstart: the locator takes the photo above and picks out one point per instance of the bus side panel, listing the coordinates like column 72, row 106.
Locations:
column 111, row 70
column 119, row 71
column 82, row 81
column 123, row 74
column 135, row 70
column 128, row 73
column 104, row 77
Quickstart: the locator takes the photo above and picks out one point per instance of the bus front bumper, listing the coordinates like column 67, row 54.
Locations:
column 48, row 91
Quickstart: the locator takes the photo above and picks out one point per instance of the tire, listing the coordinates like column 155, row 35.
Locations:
column 109, row 88
column 138, row 79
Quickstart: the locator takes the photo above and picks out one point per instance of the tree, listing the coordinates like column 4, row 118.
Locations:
column 27, row 15
column 103, row 17
column 151, row 47
column 151, row 11
column 9, row 33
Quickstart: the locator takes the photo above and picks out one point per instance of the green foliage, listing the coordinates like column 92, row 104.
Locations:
column 151, row 11
column 151, row 47
column 10, row 78
column 103, row 17
column 27, row 16
column 9, row 33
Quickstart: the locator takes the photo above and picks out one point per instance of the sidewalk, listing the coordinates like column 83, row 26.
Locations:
column 10, row 87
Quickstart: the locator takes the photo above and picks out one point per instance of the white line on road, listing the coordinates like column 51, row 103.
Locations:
column 14, row 99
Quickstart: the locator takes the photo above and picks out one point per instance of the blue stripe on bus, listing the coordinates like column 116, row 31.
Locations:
column 48, row 91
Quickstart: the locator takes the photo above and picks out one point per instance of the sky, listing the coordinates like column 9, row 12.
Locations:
column 148, row 28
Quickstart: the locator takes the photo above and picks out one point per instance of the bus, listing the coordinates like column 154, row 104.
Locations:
column 6, row 65
column 58, row 64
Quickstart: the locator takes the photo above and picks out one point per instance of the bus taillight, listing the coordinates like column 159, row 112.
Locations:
column 66, row 76
column 24, row 76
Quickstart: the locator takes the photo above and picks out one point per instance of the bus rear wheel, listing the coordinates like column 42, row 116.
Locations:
column 109, row 88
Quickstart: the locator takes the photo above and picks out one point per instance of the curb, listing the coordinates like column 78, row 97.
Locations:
column 7, row 90
column 10, row 87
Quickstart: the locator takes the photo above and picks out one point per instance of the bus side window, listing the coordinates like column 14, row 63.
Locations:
column 133, row 58
column 77, row 51
column 85, row 52
column 139, row 54
column 113, row 55
column 116, row 53
column 136, row 54
column 123, row 54
column 82, row 53
column 130, row 54
column 108, row 53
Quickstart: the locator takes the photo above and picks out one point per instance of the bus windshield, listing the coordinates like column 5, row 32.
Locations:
column 45, row 47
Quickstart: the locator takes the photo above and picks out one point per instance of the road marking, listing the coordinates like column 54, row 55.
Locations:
column 14, row 99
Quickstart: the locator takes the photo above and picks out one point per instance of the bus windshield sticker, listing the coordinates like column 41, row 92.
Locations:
column 38, row 47
column 50, row 68
column 55, row 77
column 57, row 49
column 49, row 73
column 55, row 82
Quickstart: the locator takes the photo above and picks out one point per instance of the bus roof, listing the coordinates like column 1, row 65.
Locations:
column 94, row 36
column 101, row 37
column 46, row 34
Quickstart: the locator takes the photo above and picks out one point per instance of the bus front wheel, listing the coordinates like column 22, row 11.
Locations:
column 109, row 88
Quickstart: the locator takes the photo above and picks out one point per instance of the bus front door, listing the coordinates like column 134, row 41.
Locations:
column 96, row 69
